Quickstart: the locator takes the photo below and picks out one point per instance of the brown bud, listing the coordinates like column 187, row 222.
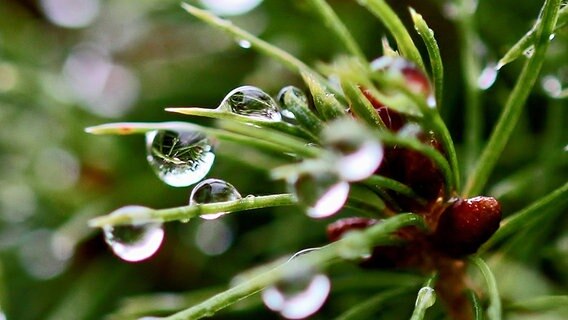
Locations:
column 466, row 225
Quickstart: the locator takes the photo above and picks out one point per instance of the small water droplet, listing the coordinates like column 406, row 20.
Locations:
column 245, row 44
column 251, row 102
column 487, row 77
column 135, row 242
column 323, row 193
column 552, row 36
column 299, row 296
column 426, row 297
column 212, row 191
column 529, row 51
column 359, row 154
column 179, row 158
column 551, row 85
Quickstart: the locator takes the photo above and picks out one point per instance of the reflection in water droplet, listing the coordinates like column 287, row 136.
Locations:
column 179, row 158
column 323, row 193
column 297, row 297
column 529, row 51
column 212, row 191
column 487, row 77
column 251, row 102
column 284, row 94
column 359, row 153
column 135, row 242
column 426, row 297
column 551, row 85
column 244, row 44
column 213, row 237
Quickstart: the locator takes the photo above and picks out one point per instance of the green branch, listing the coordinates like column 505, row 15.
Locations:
column 514, row 107
column 312, row 260
column 192, row 211
column 494, row 309
column 436, row 64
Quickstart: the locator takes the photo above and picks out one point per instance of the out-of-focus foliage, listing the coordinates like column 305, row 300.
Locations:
column 66, row 65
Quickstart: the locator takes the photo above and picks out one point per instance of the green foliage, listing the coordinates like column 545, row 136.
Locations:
column 136, row 59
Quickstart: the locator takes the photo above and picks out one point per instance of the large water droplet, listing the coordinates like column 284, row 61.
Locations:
column 297, row 297
column 359, row 153
column 134, row 242
column 212, row 191
column 323, row 193
column 179, row 158
column 251, row 102
column 487, row 77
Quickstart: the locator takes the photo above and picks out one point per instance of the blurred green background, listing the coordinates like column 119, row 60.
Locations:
column 69, row 64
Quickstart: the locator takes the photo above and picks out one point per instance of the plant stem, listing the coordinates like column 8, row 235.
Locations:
column 545, row 303
column 312, row 260
column 192, row 211
column 332, row 21
column 477, row 309
column 529, row 39
column 389, row 18
column 473, row 126
column 513, row 109
column 376, row 181
column 494, row 309
column 436, row 64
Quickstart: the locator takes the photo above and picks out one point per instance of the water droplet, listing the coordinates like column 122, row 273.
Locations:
column 529, row 51
column 179, row 158
column 299, row 296
column 284, row 94
column 359, row 154
column 323, row 193
column 551, row 85
column 245, row 44
column 552, row 36
column 487, row 77
column 212, row 191
column 213, row 237
column 251, row 102
column 135, row 242
column 426, row 297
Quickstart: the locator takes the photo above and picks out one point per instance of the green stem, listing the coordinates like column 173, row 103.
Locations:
column 513, row 109
column 192, row 211
column 494, row 309
column 225, row 115
column 529, row 39
column 389, row 18
column 332, row 21
column 536, row 211
column 327, row 105
column 477, row 309
column 285, row 58
column 269, row 139
column 313, row 260
column 436, row 64
column 473, row 126
column 425, row 299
